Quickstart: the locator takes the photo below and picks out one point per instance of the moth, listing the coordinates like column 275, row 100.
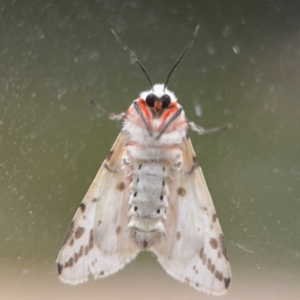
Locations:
column 149, row 194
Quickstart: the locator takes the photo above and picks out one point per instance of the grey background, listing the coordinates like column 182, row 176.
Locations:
column 243, row 69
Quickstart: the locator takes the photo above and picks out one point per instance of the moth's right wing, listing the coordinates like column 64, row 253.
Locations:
column 193, row 249
column 97, row 241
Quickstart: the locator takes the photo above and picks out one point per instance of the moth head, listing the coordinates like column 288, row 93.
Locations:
column 158, row 97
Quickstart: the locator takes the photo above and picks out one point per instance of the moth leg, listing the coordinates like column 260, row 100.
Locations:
column 111, row 116
column 200, row 130
column 117, row 117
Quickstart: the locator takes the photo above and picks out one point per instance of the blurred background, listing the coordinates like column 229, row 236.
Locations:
column 243, row 69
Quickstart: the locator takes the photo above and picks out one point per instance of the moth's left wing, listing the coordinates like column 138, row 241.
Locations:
column 97, row 241
column 193, row 249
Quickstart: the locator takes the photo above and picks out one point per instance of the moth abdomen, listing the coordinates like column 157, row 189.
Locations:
column 148, row 202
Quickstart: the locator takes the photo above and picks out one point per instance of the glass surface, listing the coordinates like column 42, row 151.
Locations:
column 242, row 69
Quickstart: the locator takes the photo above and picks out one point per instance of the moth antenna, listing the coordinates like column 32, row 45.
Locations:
column 133, row 56
column 181, row 56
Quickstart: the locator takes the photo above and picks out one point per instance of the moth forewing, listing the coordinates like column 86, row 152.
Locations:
column 97, row 241
column 193, row 250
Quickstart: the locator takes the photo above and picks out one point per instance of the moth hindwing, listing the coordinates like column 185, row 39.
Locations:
column 149, row 194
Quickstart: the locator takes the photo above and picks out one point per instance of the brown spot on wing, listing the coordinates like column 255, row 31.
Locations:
column 118, row 229
column 178, row 235
column 90, row 244
column 145, row 244
column 197, row 284
column 79, row 232
column 91, row 239
column 82, row 207
column 214, row 217
column 109, row 155
column 227, row 282
column 219, row 275
column 71, row 242
column 69, row 263
column 101, row 273
column 222, row 245
column 209, row 263
column 78, row 255
column 69, row 232
column 213, row 242
column 99, row 222
column 202, row 255
column 181, row 191
column 120, row 186
column 59, row 268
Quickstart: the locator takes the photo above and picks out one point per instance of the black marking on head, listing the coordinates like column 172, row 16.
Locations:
column 150, row 99
column 69, row 232
column 109, row 155
column 59, row 268
column 166, row 100
column 82, row 207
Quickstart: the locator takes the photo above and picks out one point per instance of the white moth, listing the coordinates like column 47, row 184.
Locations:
column 149, row 194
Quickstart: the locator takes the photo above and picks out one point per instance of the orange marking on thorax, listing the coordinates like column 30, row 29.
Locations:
column 145, row 110
column 173, row 107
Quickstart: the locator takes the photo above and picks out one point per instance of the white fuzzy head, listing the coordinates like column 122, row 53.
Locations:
column 158, row 90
